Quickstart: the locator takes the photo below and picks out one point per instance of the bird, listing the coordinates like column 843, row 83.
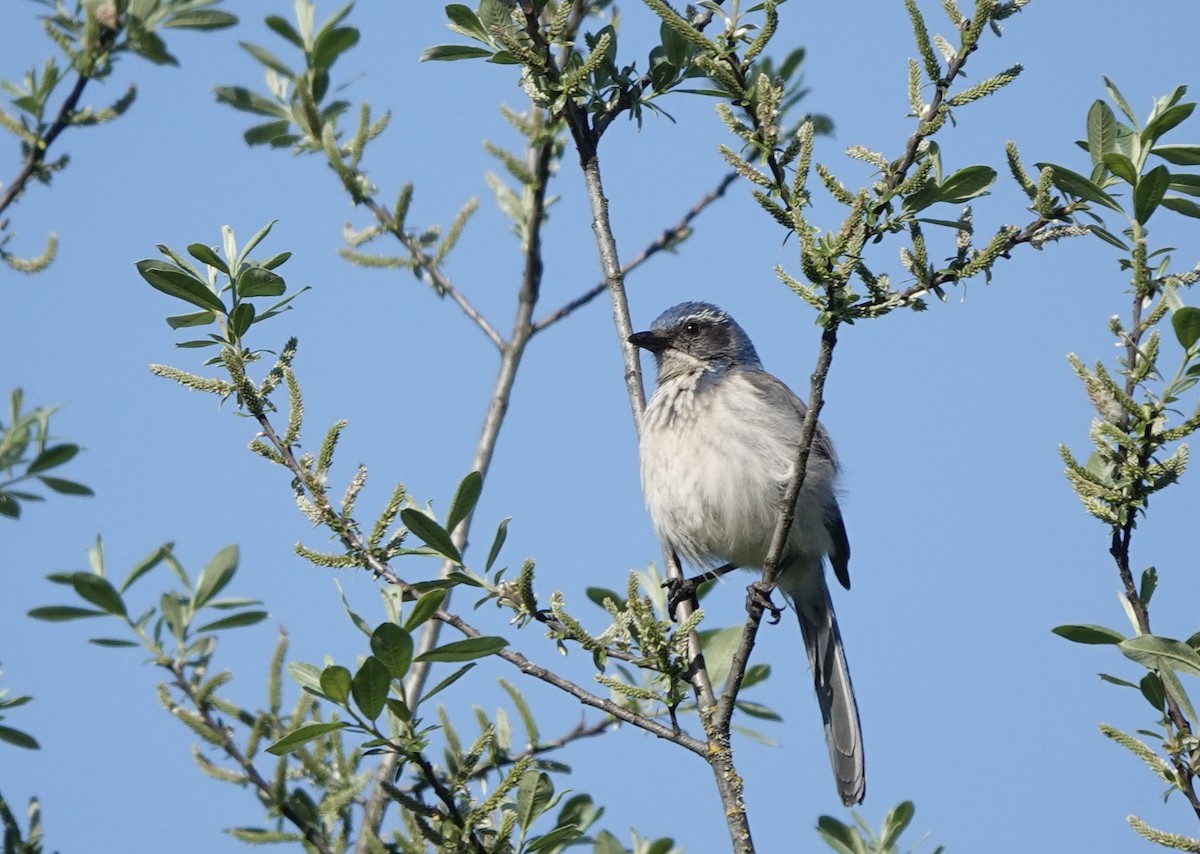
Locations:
column 718, row 442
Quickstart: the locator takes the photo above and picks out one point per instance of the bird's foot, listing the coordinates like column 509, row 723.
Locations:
column 684, row 589
column 758, row 596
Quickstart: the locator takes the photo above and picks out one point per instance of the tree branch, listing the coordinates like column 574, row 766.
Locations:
column 669, row 238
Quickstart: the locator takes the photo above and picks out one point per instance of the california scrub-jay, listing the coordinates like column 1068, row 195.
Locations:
column 718, row 443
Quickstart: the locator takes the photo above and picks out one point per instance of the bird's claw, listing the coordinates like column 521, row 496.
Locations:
column 680, row 590
column 759, row 597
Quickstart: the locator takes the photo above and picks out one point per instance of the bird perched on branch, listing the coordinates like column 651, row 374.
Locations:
column 719, row 440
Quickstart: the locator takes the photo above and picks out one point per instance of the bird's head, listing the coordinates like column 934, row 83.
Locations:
column 696, row 336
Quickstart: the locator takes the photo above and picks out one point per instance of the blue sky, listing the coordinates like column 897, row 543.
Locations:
column 968, row 544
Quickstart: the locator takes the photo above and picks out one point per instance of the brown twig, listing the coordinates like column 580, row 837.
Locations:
column 312, row 835
column 670, row 237
column 39, row 148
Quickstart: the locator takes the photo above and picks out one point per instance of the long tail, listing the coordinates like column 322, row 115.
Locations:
column 835, row 694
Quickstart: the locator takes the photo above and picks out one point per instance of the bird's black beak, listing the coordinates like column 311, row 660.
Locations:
column 651, row 341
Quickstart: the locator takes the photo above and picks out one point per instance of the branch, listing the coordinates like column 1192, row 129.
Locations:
column 441, row 282
column 787, row 514
column 311, row 834
column 670, row 237
column 38, row 149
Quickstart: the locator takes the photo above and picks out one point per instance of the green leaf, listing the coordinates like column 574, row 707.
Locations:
column 243, row 99
column 1150, row 575
column 335, row 682
column 1121, row 166
column 553, row 840
column 242, row 319
column 235, row 621
column 430, row 533
column 97, row 590
column 260, row 282
column 1181, row 206
column 1074, row 184
column 1102, row 131
column 52, row 457
column 1088, row 634
column 1144, row 649
column 398, row 708
column 270, row 133
column 331, row 44
column 1108, row 237
column 447, row 682
column 1180, row 155
column 1119, row 100
column 534, row 795
column 268, row 59
column 63, row 613
column 215, row 576
column 285, row 29
column 465, row 650
column 895, row 822
column 465, row 499
column 453, row 52
column 1185, row 183
column 966, row 184
column 200, row 318
column 18, row 738
column 206, row 255
column 497, row 543
column 370, row 686
column 147, row 564
column 1186, row 323
column 599, row 594
column 393, row 646
column 65, row 487
column 175, row 282
column 1174, row 687
column 1164, row 121
column 200, row 19
column 423, row 608
column 464, row 21
column 1149, row 193
column 111, row 642
column 922, row 197
column 303, row 735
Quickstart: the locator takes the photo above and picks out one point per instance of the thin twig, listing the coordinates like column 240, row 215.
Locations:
column 38, row 149
column 441, row 282
column 311, row 834
column 670, row 237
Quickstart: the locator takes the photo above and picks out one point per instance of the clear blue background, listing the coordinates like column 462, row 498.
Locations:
column 968, row 544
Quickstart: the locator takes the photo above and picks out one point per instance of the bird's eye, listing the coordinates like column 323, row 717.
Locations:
column 691, row 328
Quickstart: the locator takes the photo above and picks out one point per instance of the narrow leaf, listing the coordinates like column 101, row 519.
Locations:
column 1178, row 655
column 175, row 282
column 1088, row 634
column 465, row 650
column 235, row 621
column 465, row 499
column 431, row 533
column 423, row 608
column 99, row 591
column 51, row 457
column 215, row 576
column 453, row 52
column 303, row 735
column 1149, row 193
column 966, row 184
column 497, row 543
column 63, row 613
